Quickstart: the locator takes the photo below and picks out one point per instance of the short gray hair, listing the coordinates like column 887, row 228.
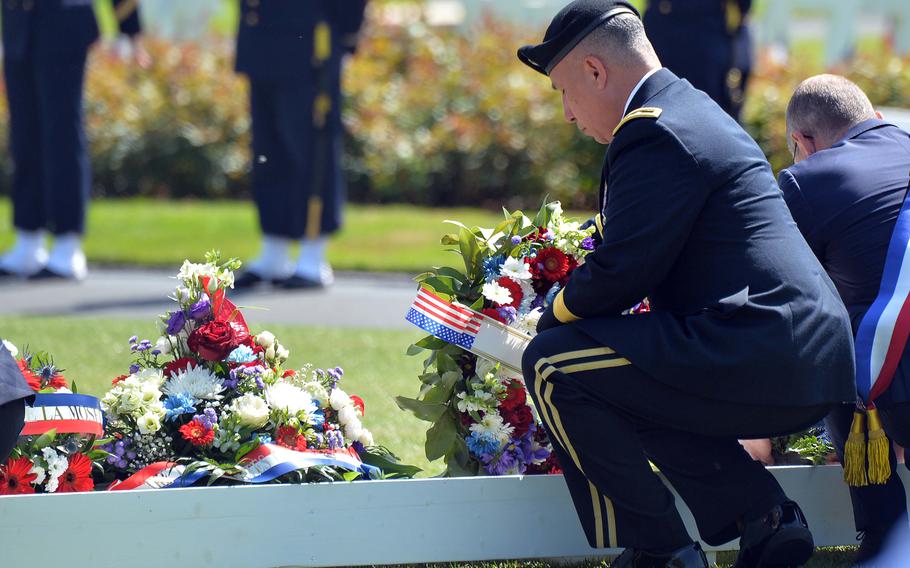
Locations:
column 622, row 39
column 826, row 107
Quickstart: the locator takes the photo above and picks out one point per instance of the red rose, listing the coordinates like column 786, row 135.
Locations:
column 241, row 334
column 213, row 341
column 520, row 418
column 515, row 396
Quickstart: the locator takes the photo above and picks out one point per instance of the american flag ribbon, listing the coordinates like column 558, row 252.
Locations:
column 448, row 321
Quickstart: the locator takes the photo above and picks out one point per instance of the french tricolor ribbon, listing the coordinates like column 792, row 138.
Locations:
column 470, row 330
column 66, row 413
column 271, row 461
column 885, row 327
column 159, row 475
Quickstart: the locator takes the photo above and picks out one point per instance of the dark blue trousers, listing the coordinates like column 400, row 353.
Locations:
column 52, row 175
column 297, row 180
column 607, row 419
column 12, row 419
column 875, row 507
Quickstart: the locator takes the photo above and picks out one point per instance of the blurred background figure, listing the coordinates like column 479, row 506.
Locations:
column 292, row 53
column 45, row 45
column 707, row 42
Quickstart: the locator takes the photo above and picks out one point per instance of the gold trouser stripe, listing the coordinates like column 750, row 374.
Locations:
column 125, row 9
column 578, row 368
column 562, row 313
column 541, row 405
column 581, row 354
column 611, row 523
column 598, row 222
column 314, row 217
column 557, row 421
column 598, row 517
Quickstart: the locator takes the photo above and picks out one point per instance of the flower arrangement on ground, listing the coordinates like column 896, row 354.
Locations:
column 217, row 399
column 482, row 421
column 45, row 461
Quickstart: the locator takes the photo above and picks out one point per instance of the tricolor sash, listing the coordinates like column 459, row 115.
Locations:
column 470, row 330
column 66, row 413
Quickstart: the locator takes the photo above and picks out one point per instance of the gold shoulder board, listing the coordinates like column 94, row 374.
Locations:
column 643, row 112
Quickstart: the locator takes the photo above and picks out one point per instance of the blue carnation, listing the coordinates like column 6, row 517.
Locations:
column 492, row 265
column 242, row 354
column 179, row 404
column 480, row 444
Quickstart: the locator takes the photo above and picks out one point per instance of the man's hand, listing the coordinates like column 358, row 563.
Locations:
column 547, row 320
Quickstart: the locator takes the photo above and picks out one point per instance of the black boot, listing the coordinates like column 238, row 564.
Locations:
column 779, row 539
column 689, row 556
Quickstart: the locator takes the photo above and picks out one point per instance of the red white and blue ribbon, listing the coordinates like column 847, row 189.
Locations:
column 266, row 463
column 445, row 320
column 66, row 413
column 885, row 328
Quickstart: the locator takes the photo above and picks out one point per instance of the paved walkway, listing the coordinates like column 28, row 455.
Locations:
column 355, row 300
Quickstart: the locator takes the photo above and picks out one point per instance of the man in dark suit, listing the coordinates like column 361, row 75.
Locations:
column 746, row 334
column 14, row 395
column 45, row 45
column 292, row 53
column 845, row 192
column 706, row 42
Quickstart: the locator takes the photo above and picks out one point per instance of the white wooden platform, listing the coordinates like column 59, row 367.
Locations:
column 379, row 522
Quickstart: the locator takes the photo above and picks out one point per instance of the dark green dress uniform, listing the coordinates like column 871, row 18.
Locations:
column 291, row 51
column 45, row 45
column 746, row 336
column 706, row 42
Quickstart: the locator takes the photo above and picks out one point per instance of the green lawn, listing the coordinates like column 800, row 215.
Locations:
column 376, row 367
column 148, row 232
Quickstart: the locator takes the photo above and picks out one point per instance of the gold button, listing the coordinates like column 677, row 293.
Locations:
column 665, row 7
column 252, row 19
column 734, row 78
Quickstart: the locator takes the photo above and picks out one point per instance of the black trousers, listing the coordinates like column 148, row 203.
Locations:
column 607, row 419
column 291, row 157
column 875, row 507
column 12, row 418
column 52, row 172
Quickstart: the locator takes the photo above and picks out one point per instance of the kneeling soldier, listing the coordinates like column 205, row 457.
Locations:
column 746, row 338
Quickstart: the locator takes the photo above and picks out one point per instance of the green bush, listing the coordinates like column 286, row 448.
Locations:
column 433, row 117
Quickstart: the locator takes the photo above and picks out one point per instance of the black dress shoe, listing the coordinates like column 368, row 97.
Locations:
column 871, row 543
column 4, row 273
column 689, row 556
column 48, row 274
column 298, row 282
column 247, row 280
column 779, row 539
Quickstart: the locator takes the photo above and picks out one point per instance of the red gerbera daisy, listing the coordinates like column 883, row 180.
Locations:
column 178, row 365
column 78, row 475
column 553, row 263
column 514, row 289
column 58, row 381
column 197, row 434
column 118, row 379
column 15, row 478
column 289, row 437
column 33, row 380
column 573, row 264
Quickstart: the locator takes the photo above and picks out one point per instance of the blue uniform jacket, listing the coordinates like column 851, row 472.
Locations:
column 275, row 40
column 846, row 200
column 12, row 383
column 51, row 29
column 693, row 219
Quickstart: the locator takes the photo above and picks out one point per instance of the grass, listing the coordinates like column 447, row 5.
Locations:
column 376, row 367
column 148, row 232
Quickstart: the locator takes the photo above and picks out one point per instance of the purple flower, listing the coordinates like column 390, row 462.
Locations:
column 134, row 339
column 516, row 240
column 587, row 243
column 507, row 313
column 208, row 418
column 201, row 309
column 175, row 322
column 134, row 369
column 156, row 352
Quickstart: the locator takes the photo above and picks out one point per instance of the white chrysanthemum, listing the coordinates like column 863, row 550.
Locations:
column 366, row 438
column 154, row 376
column 149, row 423
column 528, row 322
column 496, row 293
column 13, row 350
column 493, row 425
column 317, row 391
column 293, row 400
column 515, row 269
column 39, row 472
column 56, row 465
column 353, row 431
column 347, row 415
column 338, row 399
column 198, row 382
column 265, row 339
column 251, row 411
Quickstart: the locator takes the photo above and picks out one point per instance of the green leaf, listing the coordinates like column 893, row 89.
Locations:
column 429, row 378
column 46, row 439
column 414, row 350
column 441, row 284
column 450, row 239
column 441, row 436
column 350, row 475
column 442, row 391
column 392, row 468
column 459, row 462
column 431, row 343
column 457, row 224
column 446, row 363
column 470, row 251
column 423, row 276
column 450, row 272
column 245, row 449
column 422, row 410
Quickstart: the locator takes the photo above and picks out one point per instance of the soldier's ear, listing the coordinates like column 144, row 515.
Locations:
column 595, row 71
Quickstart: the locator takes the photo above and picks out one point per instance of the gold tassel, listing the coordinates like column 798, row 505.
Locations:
column 855, row 453
column 879, row 463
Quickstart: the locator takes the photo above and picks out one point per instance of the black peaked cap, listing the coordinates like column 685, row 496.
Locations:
column 571, row 25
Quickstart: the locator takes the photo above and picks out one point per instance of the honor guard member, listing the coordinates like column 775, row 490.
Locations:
column 292, row 53
column 45, row 45
column 846, row 193
column 706, row 42
column 746, row 336
column 14, row 395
